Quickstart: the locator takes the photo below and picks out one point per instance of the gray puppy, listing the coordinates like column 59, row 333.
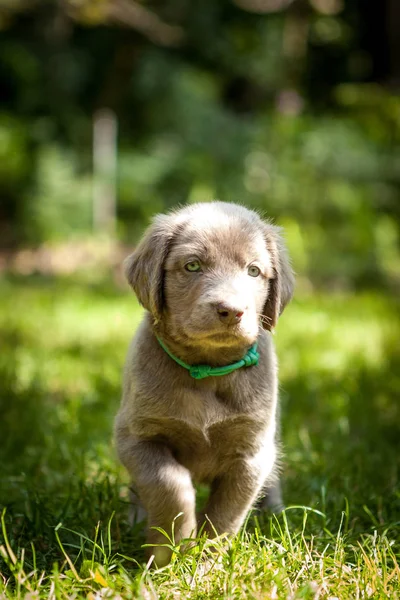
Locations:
column 213, row 279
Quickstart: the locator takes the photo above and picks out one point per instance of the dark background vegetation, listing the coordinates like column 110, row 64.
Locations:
column 288, row 106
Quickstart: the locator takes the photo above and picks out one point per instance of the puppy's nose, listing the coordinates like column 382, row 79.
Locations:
column 228, row 314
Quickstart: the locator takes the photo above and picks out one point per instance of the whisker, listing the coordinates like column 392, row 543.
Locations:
column 265, row 319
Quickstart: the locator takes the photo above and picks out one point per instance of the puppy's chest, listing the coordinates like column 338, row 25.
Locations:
column 197, row 425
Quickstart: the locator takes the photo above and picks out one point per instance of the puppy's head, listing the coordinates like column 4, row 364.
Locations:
column 211, row 272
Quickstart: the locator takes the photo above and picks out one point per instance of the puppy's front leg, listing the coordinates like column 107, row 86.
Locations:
column 165, row 489
column 232, row 496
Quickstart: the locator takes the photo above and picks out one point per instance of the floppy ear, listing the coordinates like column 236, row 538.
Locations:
column 281, row 283
column 144, row 269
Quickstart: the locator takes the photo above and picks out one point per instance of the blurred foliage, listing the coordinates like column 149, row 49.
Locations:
column 279, row 105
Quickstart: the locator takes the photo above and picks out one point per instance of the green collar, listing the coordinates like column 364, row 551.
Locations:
column 202, row 371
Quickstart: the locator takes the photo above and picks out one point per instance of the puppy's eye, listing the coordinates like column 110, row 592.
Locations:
column 253, row 271
column 193, row 266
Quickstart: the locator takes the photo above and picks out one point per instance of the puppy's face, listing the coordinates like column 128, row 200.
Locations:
column 216, row 281
column 210, row 273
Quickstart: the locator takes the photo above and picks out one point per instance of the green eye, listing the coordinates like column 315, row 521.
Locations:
column 253, row 271
column 192, row 266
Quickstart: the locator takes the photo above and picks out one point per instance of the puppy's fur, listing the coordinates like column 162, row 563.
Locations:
column 173, row 431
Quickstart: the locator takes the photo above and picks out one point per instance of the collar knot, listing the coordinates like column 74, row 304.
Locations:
column 200, row 371
column 251, row 358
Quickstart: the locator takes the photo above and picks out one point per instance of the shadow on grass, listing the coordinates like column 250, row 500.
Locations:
column 342, row 442
column 57, row 464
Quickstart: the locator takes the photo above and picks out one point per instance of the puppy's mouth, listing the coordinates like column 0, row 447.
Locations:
column 231, row 335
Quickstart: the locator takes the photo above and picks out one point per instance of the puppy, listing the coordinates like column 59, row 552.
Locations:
column 200, row 388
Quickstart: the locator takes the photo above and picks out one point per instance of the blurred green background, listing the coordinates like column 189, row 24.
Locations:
column 113, row 110
column 290, row 106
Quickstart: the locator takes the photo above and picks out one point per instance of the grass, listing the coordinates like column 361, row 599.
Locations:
column 64, row 496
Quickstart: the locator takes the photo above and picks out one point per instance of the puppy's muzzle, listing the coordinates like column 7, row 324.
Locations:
column 229, row 315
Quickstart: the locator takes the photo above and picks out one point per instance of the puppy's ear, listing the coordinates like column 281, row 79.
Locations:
column 144, row 269
column 281, row 282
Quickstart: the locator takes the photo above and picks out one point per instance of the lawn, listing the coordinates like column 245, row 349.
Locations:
column 64, row 526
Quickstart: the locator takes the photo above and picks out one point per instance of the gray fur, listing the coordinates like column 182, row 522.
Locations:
column 173, row 431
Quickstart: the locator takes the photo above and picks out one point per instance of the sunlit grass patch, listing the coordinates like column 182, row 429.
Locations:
column 329, row 333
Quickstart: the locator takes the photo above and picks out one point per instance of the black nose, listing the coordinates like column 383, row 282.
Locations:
column 228, row 314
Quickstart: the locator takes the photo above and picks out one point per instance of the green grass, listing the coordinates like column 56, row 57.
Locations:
column 64, row 529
